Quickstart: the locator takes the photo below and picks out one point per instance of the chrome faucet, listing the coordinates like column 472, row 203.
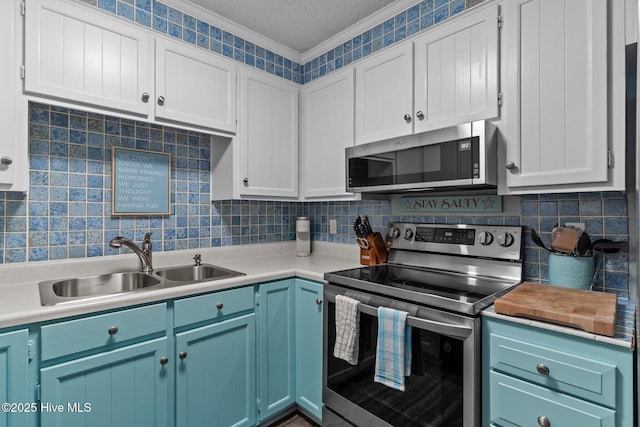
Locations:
column 144, row 254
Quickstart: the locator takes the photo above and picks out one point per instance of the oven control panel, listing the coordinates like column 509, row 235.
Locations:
column 493, row 241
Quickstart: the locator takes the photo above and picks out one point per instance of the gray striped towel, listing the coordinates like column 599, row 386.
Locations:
column 347, row 329
column 393, row 352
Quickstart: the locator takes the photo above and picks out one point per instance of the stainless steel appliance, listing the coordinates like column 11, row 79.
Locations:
column 443, row 276
column 462, row 156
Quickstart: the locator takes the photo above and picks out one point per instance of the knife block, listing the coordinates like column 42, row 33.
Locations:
column 377, row 252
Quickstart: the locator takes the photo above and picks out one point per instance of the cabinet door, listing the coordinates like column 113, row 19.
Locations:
column 123, row 387
column 77, row 54
column 215, row 374
column 194, row 86
column 327, row 121
column 309, row 346
column 277, row 347
column 556, row 92
column 14, row 371
column 456, row 71
column 384, row 95
column 14, row 167
column 268, row 136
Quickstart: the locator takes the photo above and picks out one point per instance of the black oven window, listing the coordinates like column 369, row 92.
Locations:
column 434, row 391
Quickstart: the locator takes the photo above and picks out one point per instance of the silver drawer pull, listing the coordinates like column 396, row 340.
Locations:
column 113, row 330
column 164, row 360
column 544, row 421
column 219, row 306
column 183, row 355
column 542, row 369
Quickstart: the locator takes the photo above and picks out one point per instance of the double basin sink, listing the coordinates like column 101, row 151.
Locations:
column 54, row 292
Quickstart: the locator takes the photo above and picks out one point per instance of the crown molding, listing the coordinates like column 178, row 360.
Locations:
column 358, row 28
column 234, row 28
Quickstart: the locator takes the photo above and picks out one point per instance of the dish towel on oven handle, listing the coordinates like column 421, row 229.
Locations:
column 347, row 329
column 393, row 352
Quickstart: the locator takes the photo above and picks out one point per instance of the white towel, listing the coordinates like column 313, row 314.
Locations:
column 393, row 352
column 347, row 329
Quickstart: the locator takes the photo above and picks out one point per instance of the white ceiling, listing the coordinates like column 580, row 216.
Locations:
column 298, row 24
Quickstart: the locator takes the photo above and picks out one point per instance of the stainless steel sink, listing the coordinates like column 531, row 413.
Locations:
column 196, row 273
column 107, row 284
column 54, row 292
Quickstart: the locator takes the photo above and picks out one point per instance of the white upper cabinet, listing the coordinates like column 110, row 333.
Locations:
column 563, row 115
column 327, row 128
column 384, row 95
column 194, row 86
column 445, row 77
column 456, row 71
column 84, row 56
column 268, row 136
column 14, row 165
column 77, row 54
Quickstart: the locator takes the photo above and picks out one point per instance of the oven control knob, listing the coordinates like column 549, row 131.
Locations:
column 394, row 233
column 408, row 234
column 505, row 239
column 485, row 238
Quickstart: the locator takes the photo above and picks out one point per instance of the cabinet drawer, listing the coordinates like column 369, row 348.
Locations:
column 558, row 370
column 109, row 329
column 212, row 306
column 515, row 402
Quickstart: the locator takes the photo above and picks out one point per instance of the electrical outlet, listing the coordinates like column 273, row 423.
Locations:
column 577, row 225
column 333, row 226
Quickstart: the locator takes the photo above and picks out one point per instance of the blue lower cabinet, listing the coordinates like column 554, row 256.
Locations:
column 14, row 372
column 276, row 348
column 308, row 322
column 123, row 387
column 534, row 376
column 216, row 374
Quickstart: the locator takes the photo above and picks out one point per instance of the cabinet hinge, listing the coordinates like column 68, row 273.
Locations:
column 499, row 99
column 257, row 299
column 30, row 352
column 499, row 21
column 23, row 9
column 610, row 159
column 258, row 404
column 38, row 396
column 22, row 72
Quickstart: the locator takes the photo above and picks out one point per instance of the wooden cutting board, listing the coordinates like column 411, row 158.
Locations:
column 590, row 311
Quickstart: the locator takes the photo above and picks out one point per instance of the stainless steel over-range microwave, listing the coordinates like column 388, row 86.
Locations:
column 459, row 157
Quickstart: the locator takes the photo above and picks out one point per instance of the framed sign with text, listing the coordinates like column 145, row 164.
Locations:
column 140, row 182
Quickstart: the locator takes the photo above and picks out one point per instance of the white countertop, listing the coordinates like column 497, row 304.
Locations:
column 261, row 263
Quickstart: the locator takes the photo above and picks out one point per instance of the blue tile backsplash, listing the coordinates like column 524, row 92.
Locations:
column 67, row 213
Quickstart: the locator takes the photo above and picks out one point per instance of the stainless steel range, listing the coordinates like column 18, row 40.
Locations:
column 443, row 276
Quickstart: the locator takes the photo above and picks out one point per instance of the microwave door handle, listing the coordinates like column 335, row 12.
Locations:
column 456, row 331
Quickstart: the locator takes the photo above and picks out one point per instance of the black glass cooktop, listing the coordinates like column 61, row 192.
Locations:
column 401, row 280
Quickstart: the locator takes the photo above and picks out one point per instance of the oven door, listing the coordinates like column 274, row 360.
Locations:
column 444, row 386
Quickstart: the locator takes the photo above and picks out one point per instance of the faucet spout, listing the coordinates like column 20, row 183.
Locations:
column 144, row 253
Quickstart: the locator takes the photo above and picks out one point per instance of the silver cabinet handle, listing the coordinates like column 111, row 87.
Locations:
column 145, row 97
column 6, row 160
column 161, row 100
column 164, row 360
column 544, row 421
column 420, row 115
column 319, row 301
column 113, row 330
column 183, row 355
column 543, row 369
column 407, row 118
column 245, row 181
column 510, row 165
column 219, row 306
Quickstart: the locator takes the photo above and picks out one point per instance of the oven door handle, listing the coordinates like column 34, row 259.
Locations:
column 448, row 329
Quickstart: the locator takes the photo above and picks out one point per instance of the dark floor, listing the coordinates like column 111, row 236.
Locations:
column 295, row 420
